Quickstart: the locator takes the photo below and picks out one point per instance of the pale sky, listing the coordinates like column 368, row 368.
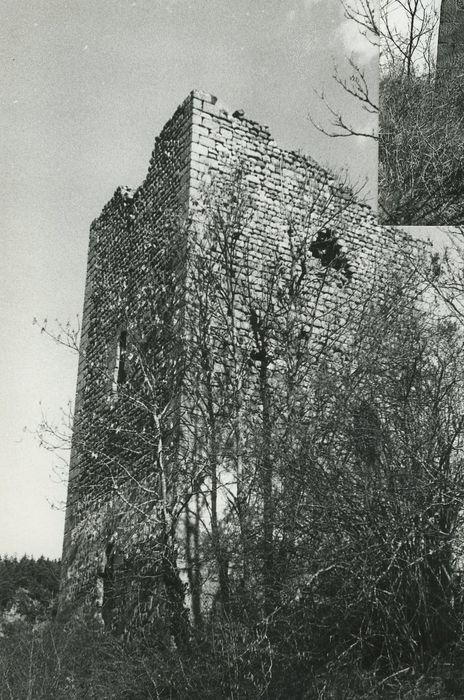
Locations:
column 399, row 19
column 88, row 84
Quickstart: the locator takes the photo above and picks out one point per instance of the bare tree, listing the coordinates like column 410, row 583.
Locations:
column 403, row 32
column 356, row 85
column 407, row 30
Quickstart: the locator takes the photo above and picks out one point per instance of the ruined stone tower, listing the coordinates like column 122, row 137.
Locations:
column 181, row 273
column 450, row 56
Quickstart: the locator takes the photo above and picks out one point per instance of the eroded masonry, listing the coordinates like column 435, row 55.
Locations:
column 216, row 283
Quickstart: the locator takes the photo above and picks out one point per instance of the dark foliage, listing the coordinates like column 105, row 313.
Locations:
column 421, row 150
column 240, row 660
column 28, row 584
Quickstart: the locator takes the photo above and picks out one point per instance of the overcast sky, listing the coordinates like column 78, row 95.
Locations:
column 88, row 84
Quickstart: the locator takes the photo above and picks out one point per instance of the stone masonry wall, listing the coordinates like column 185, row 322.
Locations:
column 450, row 55
column 286, row 186
column 129, row 286
column 126, row 240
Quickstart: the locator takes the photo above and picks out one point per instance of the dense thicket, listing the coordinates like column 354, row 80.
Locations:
column 421, row 119
column 421, row 149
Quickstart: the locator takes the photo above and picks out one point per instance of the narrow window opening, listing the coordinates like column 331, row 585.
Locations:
column 108, row 586
column 328, row 250
column 120, row 367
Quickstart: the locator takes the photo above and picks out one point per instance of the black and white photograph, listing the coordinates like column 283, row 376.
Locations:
column 233, row 350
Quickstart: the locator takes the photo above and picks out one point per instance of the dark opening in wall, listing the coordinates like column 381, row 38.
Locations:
column 108, row 586
column 120, row 371
column 367, row 432
column 328, row 250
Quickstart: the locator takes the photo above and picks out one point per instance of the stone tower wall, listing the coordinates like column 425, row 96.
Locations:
column 125, row 240
column 450, row 55
column 286, row 186
column 128, row 263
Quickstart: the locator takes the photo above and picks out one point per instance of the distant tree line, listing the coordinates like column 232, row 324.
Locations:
column 28, row 585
